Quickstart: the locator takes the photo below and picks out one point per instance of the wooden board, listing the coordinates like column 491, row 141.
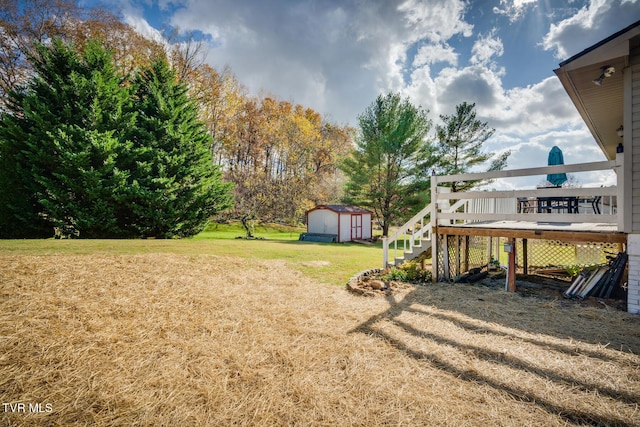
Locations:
column 531, row 230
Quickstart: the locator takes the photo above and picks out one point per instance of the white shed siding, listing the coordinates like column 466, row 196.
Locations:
column 323, row 221
column 367, row 226
column 345, row 228
column 633, row 240
column 339, row 220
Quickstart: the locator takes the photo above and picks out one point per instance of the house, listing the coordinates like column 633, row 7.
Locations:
column 338, row 223
column 603, row 81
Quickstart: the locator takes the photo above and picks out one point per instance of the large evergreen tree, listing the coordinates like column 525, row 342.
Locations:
column 460, row 140
column 174, row 186
column 387, row 172
column 58, row 145
column 86, row 153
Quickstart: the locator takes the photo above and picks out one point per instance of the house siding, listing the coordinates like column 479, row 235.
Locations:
column 633, row 297
column 633, row 239
column 635, row 143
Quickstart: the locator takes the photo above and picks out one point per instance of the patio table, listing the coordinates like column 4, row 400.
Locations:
column 550, row 204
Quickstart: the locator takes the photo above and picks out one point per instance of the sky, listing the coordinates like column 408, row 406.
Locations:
column 338, row 56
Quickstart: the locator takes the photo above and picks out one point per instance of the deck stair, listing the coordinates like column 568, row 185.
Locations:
column 414, row 237
column 409, row 241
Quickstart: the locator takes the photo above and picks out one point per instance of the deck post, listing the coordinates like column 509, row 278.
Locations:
column 385, row 252
column 445, row 258
column 458, row 246
column 434, row 227
column 623, row 197
column 525, row 261
column 489, row 249
column 511, row 279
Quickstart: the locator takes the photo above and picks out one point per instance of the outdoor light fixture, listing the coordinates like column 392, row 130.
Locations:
column 620, row 147
column 607, row 71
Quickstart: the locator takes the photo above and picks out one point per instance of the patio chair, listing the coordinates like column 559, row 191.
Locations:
column 524, row 205
column 595, row 204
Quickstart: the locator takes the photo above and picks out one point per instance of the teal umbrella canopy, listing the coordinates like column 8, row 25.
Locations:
column 556, row 158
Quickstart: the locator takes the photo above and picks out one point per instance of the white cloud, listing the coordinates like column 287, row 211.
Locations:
column 535, row 109
column 436, row 20
column 485, row 48
column 144, row 28
column 435, row 53
column 474, row 84
column 515, row 9
column 592, row 23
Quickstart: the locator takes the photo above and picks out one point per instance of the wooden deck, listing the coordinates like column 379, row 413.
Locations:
column 502, row 213
column 566, row 231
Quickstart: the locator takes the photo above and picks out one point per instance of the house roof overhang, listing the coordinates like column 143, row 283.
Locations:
column 601, row 107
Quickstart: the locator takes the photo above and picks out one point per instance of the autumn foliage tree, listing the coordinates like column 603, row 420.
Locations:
column 281, row 158
column 25, row 24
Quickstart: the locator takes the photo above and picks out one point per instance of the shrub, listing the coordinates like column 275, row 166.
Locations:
column 575, row 269
column 408, row 271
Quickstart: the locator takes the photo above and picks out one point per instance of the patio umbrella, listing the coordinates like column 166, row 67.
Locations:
column 555, row 158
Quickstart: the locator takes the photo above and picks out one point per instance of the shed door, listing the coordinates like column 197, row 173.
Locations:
column 356, row 226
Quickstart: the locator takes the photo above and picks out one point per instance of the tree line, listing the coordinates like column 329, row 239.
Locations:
column 279, row 158
column 106, row 133
column 93, row 153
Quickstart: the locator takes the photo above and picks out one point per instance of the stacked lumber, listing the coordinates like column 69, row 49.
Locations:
column 599, row 282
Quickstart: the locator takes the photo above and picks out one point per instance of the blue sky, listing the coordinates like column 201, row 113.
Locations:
column 337, row 56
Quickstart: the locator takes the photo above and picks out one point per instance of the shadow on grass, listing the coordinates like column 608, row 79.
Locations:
column 415, row 336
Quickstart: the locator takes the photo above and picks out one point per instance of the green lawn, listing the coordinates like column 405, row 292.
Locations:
column 325, row 262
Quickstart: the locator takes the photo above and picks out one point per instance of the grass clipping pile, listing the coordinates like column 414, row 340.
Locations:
column 166, row 340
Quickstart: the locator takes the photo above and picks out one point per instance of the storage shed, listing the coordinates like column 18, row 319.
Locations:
column 338, row 223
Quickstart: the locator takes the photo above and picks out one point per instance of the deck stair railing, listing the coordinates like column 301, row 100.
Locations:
column 414, row 237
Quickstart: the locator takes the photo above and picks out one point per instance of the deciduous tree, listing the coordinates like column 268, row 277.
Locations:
column 27, row 23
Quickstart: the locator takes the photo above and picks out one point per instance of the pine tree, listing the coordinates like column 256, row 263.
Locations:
column 460, row 140
column 95, row 156
column 388, row 170
column 59, row 143
column 174, row 186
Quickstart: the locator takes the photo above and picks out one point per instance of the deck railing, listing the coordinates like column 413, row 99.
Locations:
column 472, row 206
column 611, row 198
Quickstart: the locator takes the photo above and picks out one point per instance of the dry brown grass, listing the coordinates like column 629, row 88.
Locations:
column 178, row 340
